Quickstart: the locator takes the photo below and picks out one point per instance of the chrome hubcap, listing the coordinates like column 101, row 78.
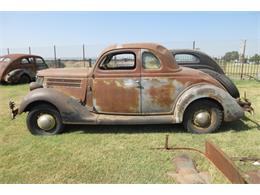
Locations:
column 46, row 122
column 202, row 118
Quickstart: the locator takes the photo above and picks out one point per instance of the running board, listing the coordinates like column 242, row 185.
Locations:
column 130, row 120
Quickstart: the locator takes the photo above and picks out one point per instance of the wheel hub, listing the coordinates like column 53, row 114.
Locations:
column 202, row 118
column 46, row 122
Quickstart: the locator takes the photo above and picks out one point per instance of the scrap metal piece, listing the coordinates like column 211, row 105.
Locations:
column 254, row 176
column 217, row 157
column 186, row 172
column 223, row 163
column 14, row 111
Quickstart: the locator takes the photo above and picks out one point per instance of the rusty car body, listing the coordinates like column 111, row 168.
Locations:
column 129, row 84
column 20, row 68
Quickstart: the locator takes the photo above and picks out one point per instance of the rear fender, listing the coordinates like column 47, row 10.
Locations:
column 231, row 109
column 14, row 75
column 70, row 109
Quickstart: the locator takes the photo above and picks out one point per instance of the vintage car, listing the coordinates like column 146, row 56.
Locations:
column 20, row 68
column 129, row 84
column 201, row 61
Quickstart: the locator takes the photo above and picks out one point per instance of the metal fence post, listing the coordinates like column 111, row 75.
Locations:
column 8, row 51
column 89, row 62
column 30, row 50
column 55, row 57
column 193, row 45
column 242, row 70
column 83, row 50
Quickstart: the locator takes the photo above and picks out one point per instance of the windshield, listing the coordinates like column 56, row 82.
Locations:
column 4, row 59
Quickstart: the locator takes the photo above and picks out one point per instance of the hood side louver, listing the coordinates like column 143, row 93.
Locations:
column 63, row 82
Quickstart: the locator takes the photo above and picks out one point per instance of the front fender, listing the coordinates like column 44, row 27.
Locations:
column 232, row 110
column 71, row 110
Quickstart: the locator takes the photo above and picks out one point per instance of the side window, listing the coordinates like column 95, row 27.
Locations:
column 25, row 61
column 186, row 58
column 119, row 61
column 31, row 60
column 150, row 61
column 40, row 63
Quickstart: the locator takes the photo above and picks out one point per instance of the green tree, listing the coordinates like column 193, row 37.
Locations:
column 231, row 56
column 255, row 58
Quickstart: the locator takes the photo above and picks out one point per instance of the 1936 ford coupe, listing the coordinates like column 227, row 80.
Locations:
column 129, row 84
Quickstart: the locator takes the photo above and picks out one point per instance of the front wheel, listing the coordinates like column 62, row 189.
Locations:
column 44, row 120
column 203, row 116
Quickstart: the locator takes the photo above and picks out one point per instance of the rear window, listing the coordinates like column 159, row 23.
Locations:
column 3, row 59
column 186, row 58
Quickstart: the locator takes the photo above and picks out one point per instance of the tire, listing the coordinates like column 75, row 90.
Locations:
column 192, row 117
column 43, row 110
column 24, row 79
column 225, row 81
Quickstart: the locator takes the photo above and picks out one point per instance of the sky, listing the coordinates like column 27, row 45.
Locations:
column 214, row 32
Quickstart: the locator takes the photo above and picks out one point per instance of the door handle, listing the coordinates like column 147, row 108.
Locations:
column 138, row 82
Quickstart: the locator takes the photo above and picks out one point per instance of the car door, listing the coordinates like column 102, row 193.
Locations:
column 27, row 64
column 159, row 87
column 116, row 84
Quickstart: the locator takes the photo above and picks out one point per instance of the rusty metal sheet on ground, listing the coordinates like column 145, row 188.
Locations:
column 186, row 172
column 253, row 176
column 223, row 163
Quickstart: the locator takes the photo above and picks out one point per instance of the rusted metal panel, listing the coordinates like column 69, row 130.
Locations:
column 75, row 87
column 117, row 91
column 107, row 119
column 186, row 172
column 117, row 95
column 231, row 108
column 217, row 157
column 223, row 163
column 71, row 110
column 253, row 176
column 158, row 94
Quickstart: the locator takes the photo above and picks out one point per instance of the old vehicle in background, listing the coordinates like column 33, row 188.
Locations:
column 129, row 84
column 20, row 68
column 201, row 61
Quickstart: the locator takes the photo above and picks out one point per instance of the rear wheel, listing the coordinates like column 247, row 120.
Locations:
column 24, row 79
column 44, row 120
column 203, row 116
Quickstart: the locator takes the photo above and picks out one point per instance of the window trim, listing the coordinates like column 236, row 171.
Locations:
column 117, row 53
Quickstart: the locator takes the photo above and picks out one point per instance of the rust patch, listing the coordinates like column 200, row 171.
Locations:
column 162, row 95
column 111, row 95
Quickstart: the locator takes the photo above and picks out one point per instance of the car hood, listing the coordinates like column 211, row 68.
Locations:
column 65, row 72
